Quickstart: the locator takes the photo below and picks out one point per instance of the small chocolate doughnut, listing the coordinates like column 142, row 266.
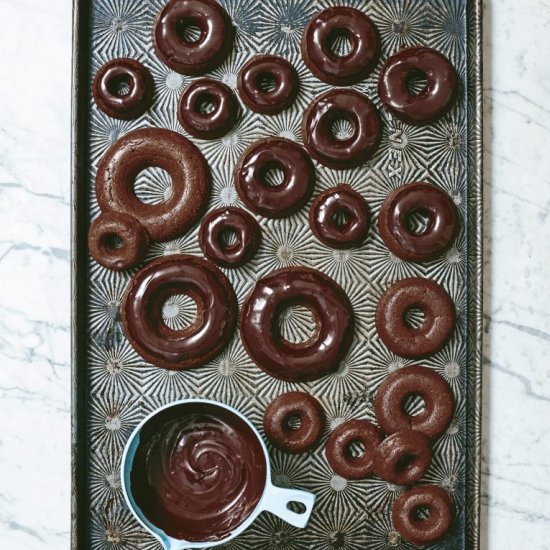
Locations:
column 407, row 295
column 193, row 56
column 403, row 458
column 317, row 129
column 142, row 311
column 145, row 148
column 281, row 200
column 333, row 315
column 338, row 449
column 434, row 100
column 102, row 237
column 268, row 68
column 407, row 515
column 110, row 94
column 213, row 124
column 321, row 33
column 341, row 199
column 247, row 231
column 399, row 386
column 442, row 222
column 279, row 414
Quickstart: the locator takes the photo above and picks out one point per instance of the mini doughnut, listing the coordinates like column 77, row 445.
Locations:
column 339, row 453
column 439, row 317
column 280, row 412
column 341, row 199
column 442, row 222
column 324, row 29
column 280, row 200
column 414, row 529
column 330, row 307
column 431, row 387
column 348, row 105
column 434, row 100
column 268, row 67
column 403, row 458
column 102, row 240
column 246, row 229
column 142, row 311
column 108, row 82
column 198, row 56
column 145, row 148
column 210, row 125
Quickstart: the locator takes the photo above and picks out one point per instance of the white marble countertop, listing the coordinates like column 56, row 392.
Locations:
column 35, row 99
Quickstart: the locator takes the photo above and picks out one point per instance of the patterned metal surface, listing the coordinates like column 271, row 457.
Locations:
column 122, row 388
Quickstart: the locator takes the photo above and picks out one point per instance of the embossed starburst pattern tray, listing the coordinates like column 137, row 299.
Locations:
column 114, row 388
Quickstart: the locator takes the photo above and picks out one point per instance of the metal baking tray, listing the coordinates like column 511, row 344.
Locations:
column 113, row 388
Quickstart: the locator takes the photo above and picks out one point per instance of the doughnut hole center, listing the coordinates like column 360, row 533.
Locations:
column 418, row 221
column 266, row 83
column 355, row 449
column 405, row 462
column 297, row 325
column 417, row 82
column 189, row 30
column 413, row 405
column 205, row 104
column 153, row 185
column 179, row 311
column 340, row 43
column 421, row 513
column 273, row 174
column 293, row 423
column 112, row 242
column 414, row 318
column 120, row 85
column 341, row 126
column 228, row 238
column 340, row 219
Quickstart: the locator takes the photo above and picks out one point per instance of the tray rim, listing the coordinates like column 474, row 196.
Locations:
column 79, row 120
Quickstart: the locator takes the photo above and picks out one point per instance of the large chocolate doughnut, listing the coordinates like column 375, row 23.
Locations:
column 437, row 96
column 279, row 414
column 331, row 309
column 247, row 232
column 338, row 449
column 318, row 136
column 108, row 81
column 442, row 222
column 431, row 387
column 324, row 29
column 298, row 177
column 153, row 285
column 276, row 69
column 435, row 304
column 199, row 56
column 145, row 148
column 417, row 530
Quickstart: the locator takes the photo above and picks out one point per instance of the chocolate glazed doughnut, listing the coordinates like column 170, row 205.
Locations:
column 357, row 110
column 434, row 100
column 431, row 387
column 333, row 315
column 281, row 200
column 404, row 296
column 320, row 35
column 197, row 56
column 442, row 222
column 142, row 311
column 145, row 148
column 268, row 67
column 109, row 81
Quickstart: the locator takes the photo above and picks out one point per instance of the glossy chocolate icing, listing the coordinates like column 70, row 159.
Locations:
column 199, row 472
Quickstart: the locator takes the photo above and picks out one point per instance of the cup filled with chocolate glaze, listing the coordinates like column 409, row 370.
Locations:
column 196, row 474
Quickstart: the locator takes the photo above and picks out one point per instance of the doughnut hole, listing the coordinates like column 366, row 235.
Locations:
column 266, row 83
column 342, row 126
column 179, row 312
column 272, row 174
column 355, row 449
column 190, row 30
column 340, row 43
column 297, row 325
column 120, row 85
column 205, row 104
column 112, row 242
column 153, row 185
column 414, row 317
column 418, row 221
column 420, row 514
column 228, row 239
column 417, row 82
column 341, row 219
column 293, row 422
column 413, row 405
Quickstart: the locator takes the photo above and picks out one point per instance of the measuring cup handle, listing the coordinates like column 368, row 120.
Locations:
column 278, row 499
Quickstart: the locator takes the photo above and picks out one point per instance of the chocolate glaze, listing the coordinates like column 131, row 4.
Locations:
column 442, row 222
column 439, row 317
column 211, row 125
column 431, row 387
column 153, row 285
column 280, row 200
column 320, row 33
column 246, row 229
column 101, row 240
column 331, row 309
column 212, row 47
column 120, row 71
column 145, row 148
column 341, row 199
column 434, row 100
column 274, row 101
column 319, row 140
column 423, row 531
column 199, row 472
column 282, row 409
